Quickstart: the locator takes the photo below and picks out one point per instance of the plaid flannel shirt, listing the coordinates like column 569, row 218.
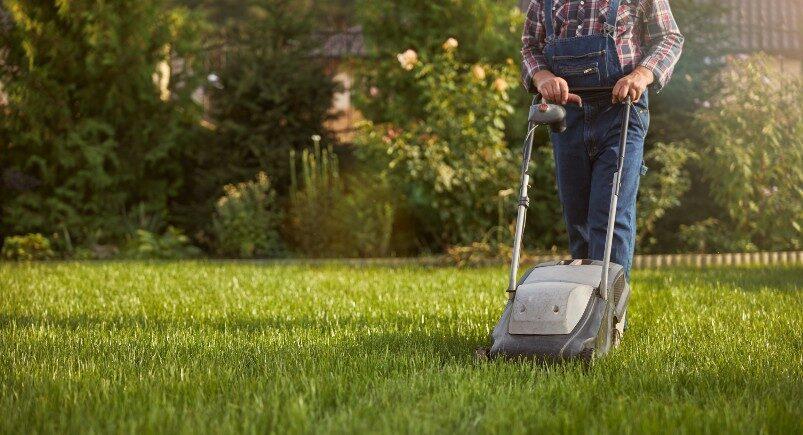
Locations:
column 646, row 34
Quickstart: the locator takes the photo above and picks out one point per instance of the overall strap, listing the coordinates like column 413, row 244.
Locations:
column 550, row 29
column 610, row 22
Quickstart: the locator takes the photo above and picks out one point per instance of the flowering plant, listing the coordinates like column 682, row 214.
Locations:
column 247, row 218
column 451, row 159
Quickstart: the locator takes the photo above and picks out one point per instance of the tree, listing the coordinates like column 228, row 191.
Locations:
column 98, row 113
column 273, row 92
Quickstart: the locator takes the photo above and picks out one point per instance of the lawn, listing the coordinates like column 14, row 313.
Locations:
column 245, row 347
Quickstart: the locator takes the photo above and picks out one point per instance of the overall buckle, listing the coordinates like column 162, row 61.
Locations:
column 609, row 29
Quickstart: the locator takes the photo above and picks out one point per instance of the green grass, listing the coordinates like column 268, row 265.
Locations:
column 209, row 347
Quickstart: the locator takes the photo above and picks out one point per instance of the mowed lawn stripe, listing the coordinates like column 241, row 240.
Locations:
column 202, row 346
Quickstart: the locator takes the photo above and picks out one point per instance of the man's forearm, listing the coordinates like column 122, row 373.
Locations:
column 644, row 74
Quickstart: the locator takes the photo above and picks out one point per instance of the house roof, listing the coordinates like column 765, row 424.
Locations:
column 343, row 44
column 772, row 26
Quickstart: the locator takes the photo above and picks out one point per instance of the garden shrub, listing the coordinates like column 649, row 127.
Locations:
column 96, row 119
column 672, row 111
column 270, row 93
column 488, row 31
column 752, row 156
column 708, row 236
column 247, row 218
column 30, row 247
column 326, row 219
column 661, row 188
column 273, row 94
column 172, row 245
column 451, row 164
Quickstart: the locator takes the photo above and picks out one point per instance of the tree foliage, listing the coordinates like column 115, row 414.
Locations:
column 329, row 217
column 673, row 110
column 88, row 133
column 271, row 94
column 453, row 163
column 753, row 155
column 274, row 93
column 488, row 31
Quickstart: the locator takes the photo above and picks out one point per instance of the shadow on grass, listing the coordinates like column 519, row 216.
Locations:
column 747, row 279
column 359, row 335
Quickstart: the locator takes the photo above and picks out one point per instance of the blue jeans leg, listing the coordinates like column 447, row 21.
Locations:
column 624, row 236
column 585, row 159
column 573, row 174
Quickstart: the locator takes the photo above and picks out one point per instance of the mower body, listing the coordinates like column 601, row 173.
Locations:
column 557, row 313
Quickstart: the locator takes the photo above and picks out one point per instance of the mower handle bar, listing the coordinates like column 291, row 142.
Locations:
column 578, row 89
column 556, row 124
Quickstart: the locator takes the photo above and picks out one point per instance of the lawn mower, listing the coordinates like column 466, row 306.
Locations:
column 562, row 310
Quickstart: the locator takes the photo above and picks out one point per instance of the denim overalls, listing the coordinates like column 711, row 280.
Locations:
column 586, row 153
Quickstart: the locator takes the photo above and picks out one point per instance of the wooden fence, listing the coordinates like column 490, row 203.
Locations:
column 705, row 260
column 701, row 260
column 639, row 261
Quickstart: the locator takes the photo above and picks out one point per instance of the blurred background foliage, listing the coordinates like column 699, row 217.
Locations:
column 450, row 161
column 87, row 134
column 122, row 123
column 247, row 220
column 752, row 158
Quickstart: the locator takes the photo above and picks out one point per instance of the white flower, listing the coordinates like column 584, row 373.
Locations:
column 408, row 59
column 500, row 85
column 450, row 44
column 505, row 193
column 478, row 72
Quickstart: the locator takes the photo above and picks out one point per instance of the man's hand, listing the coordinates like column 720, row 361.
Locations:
column 554, row 89
column 632, row 84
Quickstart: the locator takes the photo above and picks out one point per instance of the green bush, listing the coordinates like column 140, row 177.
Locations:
column 30, row 247
column 96, row 119
column 752, row 156
column 708, row 236
column 326, row 219
column 488, row 31
column 272, row 94
column 451, row 164
column 247, row 220
column 672, row 112
column 172, row 245
column 661, row 188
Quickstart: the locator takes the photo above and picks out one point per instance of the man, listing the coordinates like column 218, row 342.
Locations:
column 626, row 45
